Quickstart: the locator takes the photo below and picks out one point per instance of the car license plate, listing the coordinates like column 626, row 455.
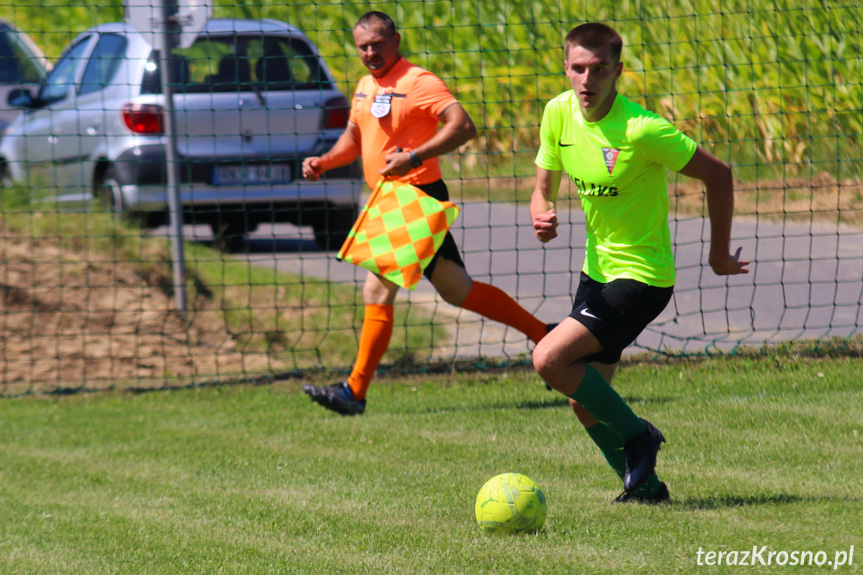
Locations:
column 252, row 174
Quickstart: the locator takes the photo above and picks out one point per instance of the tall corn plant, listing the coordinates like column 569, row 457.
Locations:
column 773, row 86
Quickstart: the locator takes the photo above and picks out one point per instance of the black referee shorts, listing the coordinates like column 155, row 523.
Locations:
column 448, row 249
column 616, row 312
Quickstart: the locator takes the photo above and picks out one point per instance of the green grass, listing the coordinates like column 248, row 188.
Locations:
column 762, row 451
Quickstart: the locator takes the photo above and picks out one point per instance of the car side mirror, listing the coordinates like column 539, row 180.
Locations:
column 20, row 98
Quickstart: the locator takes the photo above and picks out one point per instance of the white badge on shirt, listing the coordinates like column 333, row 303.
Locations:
column 381, row 106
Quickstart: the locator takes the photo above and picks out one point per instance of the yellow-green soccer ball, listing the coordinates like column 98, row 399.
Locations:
column 510, row 503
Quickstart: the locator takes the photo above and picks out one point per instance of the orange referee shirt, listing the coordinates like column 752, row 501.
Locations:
column 399, row 110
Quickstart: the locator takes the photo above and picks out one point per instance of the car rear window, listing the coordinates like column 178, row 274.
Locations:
column 216, row 64
column 17, row 64
column 103, row 64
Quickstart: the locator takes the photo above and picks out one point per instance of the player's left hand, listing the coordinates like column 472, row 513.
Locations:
column 398, row 164
column 730, row 265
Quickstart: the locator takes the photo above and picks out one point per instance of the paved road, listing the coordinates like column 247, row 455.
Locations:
column 806, row 280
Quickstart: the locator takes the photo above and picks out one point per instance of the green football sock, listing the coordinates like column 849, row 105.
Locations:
column 611, row 445
column 602, row 402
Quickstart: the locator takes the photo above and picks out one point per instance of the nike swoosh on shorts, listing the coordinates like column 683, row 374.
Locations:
column 562, row 145
column 586, row 313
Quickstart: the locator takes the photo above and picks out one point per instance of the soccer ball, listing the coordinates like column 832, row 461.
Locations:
column 510, row 503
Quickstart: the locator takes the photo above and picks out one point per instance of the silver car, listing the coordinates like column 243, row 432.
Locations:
column 22, row 64
column 253, row 98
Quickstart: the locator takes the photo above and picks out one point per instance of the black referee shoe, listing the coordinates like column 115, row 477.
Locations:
column 337, row 397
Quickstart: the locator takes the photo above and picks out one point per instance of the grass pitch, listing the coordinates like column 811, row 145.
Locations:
column 761, row 452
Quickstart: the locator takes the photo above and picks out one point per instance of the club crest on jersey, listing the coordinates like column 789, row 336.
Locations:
column 382, row 105
column 610, row 155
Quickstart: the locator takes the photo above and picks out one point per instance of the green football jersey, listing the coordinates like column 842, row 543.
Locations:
column 618, row 166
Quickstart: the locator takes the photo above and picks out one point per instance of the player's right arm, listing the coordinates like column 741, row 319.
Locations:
column 346, row 150
column 549, row 168
column 543, row 215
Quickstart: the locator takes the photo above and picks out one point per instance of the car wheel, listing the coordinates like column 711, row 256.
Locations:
column 106, row 189
column 9, row 195
column 5, row 178
column 229, row 234
column 332, row 228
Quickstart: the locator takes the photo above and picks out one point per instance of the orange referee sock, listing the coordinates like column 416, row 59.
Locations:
column 374, row 341
column 494, row 303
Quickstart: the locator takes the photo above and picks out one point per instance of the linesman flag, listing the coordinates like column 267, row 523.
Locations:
column 398, row 232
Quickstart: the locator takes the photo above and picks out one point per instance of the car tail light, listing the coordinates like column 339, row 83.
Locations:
column 143, row 118
column 336, row 113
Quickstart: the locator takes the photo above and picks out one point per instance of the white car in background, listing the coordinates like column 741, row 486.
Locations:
column 22, row 65
column 253, row 99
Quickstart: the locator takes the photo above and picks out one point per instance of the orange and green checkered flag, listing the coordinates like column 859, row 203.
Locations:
column 398, row 232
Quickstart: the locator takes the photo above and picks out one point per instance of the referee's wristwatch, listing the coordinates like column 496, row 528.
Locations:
column 416, row 162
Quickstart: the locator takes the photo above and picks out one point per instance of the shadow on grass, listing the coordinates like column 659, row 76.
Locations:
column 730, row 501
column 558, row 401
column 634, row 400
column 553, row 400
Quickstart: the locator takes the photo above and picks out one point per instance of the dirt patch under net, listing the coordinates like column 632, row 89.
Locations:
column 71, row 321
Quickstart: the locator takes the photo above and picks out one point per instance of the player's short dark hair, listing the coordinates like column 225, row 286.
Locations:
column 367, row 18
column 594, row 36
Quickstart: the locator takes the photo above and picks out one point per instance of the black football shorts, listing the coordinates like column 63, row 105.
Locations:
column 616, row 312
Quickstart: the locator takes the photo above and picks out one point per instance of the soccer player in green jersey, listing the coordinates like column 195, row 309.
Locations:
column 616, row 153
